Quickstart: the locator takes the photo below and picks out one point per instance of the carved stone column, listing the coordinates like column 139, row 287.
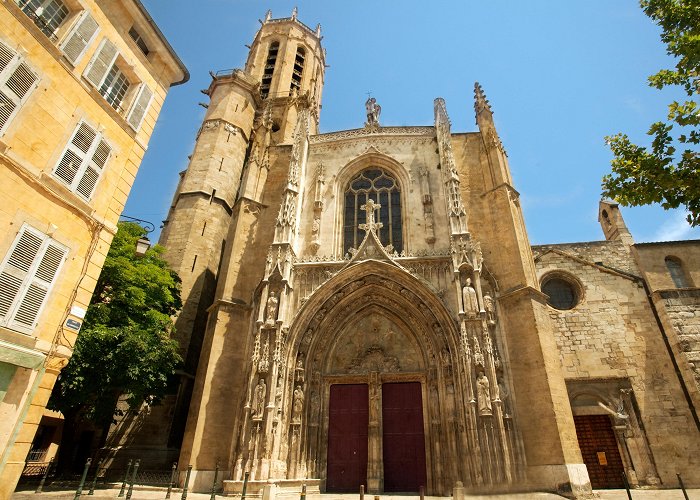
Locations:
column 375, row 465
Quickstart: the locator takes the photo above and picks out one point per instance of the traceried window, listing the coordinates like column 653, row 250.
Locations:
column 675, row 269
column 269, row 69
column 46, row 14
column 17, row 81
column 563, row 291
column 27, row 274
column 298, row 70
column 83, row 161
column 381, row 187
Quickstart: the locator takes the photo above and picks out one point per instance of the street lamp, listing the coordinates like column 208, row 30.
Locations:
column 143, row 243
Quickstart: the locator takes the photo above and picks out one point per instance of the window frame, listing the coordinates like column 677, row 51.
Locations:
column 87, row 160
column 74, row 32
column 111, row 62
column 37, row 18
column 676, row 270
column 30, row 277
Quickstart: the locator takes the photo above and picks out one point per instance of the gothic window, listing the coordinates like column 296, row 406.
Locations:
column 675, row 269
column 269, row 69
column 298, row 70
column 562, row 290
column 381, row 187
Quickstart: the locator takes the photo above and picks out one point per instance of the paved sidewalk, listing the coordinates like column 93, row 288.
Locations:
column 140, row 493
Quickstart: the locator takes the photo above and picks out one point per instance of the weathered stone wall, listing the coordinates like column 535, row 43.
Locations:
column 612, row 334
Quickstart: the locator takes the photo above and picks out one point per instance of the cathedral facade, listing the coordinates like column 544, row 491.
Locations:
column 363, row 307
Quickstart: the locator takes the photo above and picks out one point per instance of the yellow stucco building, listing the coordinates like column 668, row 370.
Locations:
column 81, row 86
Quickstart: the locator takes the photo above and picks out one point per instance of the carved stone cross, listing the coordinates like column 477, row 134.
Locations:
column 370, row 207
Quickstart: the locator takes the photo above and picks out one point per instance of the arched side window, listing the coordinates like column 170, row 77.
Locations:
column 675, row 269
column 298, row 70
column 378, row 185
column 269, row 69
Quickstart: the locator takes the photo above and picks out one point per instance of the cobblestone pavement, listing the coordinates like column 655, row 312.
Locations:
column 159, row 493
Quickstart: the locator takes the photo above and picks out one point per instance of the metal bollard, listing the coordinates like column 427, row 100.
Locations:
column 303, row 491
column 79, row 491
column 680, row 481
column 172, row 480
column 126, row 476
column 94, row 479
column 187, row 482
column 40, row 488
column 133, row 479
column 245, row 484
column 362, row 492
column 627, row 485
column 422, row 492
column 213, row 485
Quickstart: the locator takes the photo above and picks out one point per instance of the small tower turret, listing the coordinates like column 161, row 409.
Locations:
column 498, row 159
column 614, row 227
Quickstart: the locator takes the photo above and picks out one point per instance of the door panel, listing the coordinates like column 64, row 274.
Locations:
column 601, row 455
column 347, row 437
column 403, row 439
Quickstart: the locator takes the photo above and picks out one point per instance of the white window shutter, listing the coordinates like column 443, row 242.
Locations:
column 76, row 151
column 38, row 286
column 21, row 256
column 80, row 36
column 138, row 110
column 17, row 81
column 93, row 170
column 101, row 63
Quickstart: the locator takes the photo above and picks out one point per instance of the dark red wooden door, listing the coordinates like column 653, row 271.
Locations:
column 601, row 455
column 347, row 437
column 404, row 442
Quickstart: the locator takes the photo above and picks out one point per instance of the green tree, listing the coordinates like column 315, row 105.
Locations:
column 668, row 171
column 124, row 347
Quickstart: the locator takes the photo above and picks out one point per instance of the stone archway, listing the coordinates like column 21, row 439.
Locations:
column 376, row 325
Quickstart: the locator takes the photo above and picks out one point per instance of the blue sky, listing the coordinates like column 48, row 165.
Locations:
column 559, row 75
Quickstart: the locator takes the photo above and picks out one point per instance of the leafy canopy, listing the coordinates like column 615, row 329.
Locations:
column 668, row 172
column 124, row 346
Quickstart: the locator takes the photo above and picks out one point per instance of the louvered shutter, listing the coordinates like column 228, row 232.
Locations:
column 83, row 160
column 93, row 169
column 38, row 287
column 75, row 43
column 101, row 63
column 138, row 110
column 22, row 255
column 17, row 81
column 74, row 156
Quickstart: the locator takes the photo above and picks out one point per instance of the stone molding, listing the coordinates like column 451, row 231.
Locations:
column 363, row 132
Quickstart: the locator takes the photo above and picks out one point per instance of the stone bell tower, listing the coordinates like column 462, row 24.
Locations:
column 249, row 110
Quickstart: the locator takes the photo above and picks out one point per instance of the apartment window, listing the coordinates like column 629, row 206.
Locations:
column 675, row 269
column 382, row 188
column 17, row 81
column 269, row 69
column 104, row 73
column 46, row 14
column 27, row 275
column 140, row 42
column 298, row 70
column 83, row 161
column 80, row 36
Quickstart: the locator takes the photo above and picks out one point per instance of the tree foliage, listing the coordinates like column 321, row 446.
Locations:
column 124, row 346
column 667, row 172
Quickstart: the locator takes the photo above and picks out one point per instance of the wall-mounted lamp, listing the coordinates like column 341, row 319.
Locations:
column 143, row 243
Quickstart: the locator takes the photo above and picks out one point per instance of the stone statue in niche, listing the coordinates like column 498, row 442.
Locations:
column 483, row 395
column 297, row 405
column 490, row 307
column 299, row 369
column 471, row 304
column 271, row 309
column 259, row 400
